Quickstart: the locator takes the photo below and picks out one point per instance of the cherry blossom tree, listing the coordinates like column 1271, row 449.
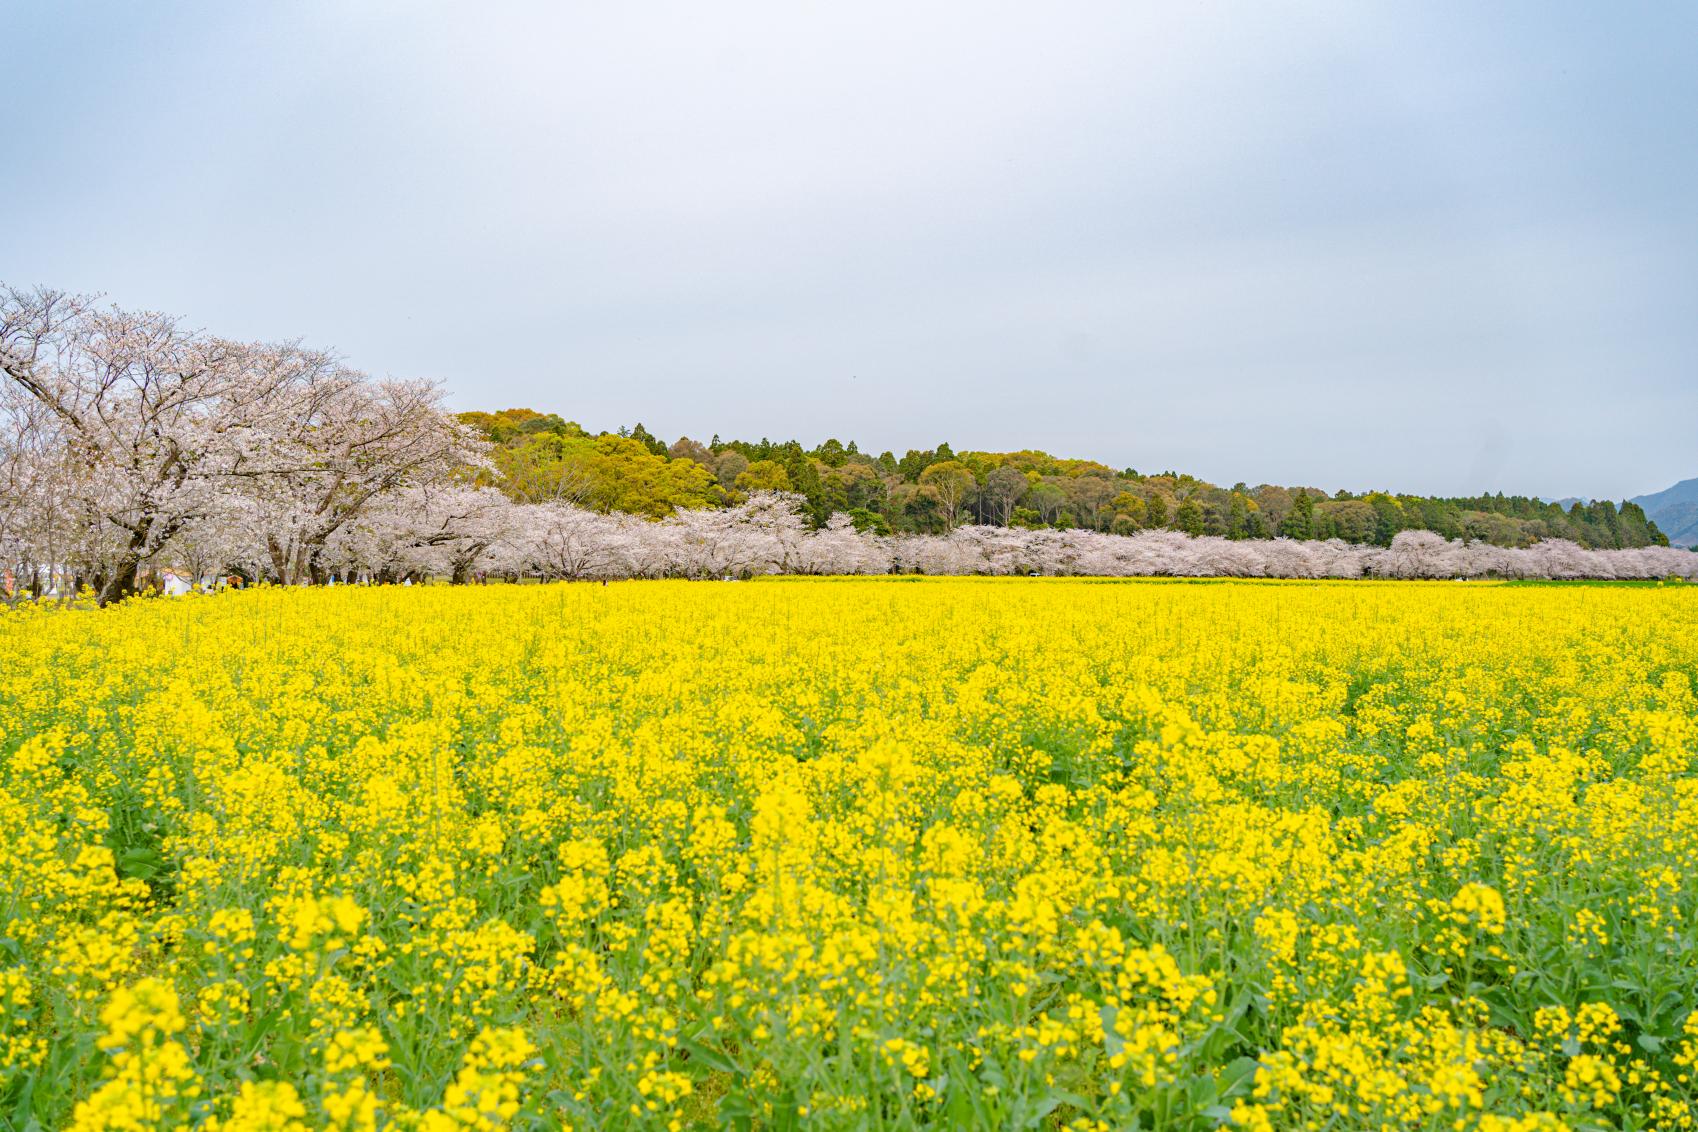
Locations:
column 1421, row 554
column 428, row 529
column 558, row 540
column 837, row 548
column 344, row 442
column 156, row 420
column 33, row 538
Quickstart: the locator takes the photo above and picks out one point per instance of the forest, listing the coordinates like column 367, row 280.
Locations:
column 540, row 456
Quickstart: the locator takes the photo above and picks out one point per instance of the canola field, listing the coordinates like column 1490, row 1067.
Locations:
column 874, row 853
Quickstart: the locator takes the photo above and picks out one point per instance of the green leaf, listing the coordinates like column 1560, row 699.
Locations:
column 1238, row 1076
column 735, row 1110
column 142, row 862
column 1112, row 1041
column 707, row 1055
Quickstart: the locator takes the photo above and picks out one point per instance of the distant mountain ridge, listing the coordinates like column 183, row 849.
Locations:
column 1675, row 511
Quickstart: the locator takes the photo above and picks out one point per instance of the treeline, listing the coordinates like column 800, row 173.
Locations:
column 135, row 451
column 541, row 456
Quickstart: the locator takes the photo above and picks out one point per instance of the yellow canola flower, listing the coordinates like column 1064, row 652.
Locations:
column 1479, row 906
column 901, row 853
column 144, row 1011
column 270, row 1106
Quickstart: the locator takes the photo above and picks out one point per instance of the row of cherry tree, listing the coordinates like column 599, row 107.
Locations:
column 769, row 534
column 128, row 442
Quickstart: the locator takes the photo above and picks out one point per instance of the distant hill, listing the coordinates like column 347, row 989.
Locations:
column 1675, row 511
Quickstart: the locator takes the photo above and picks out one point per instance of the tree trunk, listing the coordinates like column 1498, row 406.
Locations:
column 122, row 582
column 463, row 563
column 279, row 561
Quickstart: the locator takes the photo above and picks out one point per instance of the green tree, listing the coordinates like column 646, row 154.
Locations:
column 1189, row 517
column 1238, row 509
column 764, row 475
column 1047, row 500
column 606, row 473
column 547, row 466
column 1004, row 488
column 915, row 462
column 630, row 477
column 728, row 465
column 1299, row 522
column 919, row 506
column 1157, row 507
column 805, row 479
column 953, row 484
column 869, row 522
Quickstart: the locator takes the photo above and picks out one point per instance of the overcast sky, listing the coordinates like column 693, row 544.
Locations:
column 1436, row 248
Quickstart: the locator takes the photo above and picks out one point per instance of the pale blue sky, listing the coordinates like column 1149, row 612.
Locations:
column 1431, row 247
